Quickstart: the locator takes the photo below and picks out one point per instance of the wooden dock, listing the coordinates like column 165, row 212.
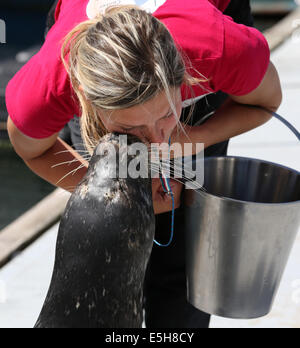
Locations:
column 271, row 7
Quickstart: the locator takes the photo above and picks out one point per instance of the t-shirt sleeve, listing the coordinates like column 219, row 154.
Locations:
column 245, row 59
column 39, row 100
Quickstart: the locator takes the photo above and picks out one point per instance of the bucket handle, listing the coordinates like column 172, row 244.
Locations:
column 285, row 122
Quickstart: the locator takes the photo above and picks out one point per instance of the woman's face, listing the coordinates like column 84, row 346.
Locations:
column 152, row 121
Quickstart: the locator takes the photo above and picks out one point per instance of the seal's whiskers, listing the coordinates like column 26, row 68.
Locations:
column 79, row 151
column 71, row 172
column 67, row 163
column 155, row 168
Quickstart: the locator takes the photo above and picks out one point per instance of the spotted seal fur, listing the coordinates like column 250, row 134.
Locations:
column 103, row 247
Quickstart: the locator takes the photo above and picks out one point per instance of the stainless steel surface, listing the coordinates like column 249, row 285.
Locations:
column 239, row 235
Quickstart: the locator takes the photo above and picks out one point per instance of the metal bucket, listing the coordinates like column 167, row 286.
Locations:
column 239, row 234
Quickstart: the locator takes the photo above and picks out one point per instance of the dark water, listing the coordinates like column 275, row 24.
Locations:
column 20, row 188
column 265, row 22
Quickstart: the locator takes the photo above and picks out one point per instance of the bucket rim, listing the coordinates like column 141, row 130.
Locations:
column 257, row 160
column 249, row 202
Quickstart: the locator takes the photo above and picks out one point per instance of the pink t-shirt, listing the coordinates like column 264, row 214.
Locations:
column 234, row 58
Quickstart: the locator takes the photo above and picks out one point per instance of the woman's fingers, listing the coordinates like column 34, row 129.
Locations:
column 162, row 202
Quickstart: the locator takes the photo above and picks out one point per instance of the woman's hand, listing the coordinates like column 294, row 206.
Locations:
column 162, row 202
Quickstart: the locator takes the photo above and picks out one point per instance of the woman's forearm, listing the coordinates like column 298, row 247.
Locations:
column 59, row 166
column 230, row 120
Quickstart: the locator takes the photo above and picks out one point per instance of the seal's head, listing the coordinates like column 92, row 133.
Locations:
column 119, row 163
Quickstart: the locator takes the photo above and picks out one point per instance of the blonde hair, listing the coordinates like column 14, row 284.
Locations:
column 118, row 60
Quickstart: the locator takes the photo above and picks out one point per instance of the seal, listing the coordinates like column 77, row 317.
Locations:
column 103, row 247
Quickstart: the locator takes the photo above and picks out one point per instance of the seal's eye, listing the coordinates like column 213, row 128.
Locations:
column 132, row 238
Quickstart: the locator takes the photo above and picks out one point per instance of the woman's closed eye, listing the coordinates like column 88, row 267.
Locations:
column 170, row 115
column 128, row 129
column 124, row 129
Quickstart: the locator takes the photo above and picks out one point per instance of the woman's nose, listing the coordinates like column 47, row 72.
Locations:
column 156, row 135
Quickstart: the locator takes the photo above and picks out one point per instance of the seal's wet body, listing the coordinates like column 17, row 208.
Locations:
column 103, row 247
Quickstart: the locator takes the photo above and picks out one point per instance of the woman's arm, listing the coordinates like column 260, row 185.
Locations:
column 239, row 114
column 44, row 156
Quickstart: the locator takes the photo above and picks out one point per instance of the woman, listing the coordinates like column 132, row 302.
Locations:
column 140, row 73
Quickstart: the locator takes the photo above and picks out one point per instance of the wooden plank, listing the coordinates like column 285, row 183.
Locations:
column 270, row 7
column 283, row 29
column 32, row 224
